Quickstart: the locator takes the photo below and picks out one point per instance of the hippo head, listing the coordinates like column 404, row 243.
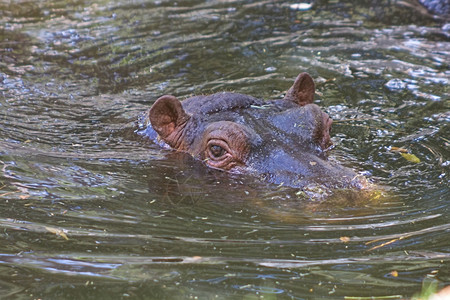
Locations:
column 283, row 141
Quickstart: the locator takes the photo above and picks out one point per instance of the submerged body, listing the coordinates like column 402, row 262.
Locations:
column 282, row 141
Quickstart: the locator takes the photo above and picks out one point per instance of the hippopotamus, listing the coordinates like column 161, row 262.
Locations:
column 284, row 141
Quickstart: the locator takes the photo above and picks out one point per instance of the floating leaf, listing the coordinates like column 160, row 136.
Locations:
column 344, row 239
column 384, row 244
column 57, row 232
column 410, row 157
column 398, row 149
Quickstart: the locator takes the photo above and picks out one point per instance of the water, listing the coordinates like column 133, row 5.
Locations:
column 91, row 211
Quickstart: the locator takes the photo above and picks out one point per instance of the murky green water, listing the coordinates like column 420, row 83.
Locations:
column 88, row 210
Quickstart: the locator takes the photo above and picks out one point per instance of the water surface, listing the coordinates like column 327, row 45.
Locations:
column 89, row 210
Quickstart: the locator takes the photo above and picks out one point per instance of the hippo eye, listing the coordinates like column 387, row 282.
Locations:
column 216, row 151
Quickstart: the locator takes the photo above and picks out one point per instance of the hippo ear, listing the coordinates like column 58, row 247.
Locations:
column 302, row 91
column 166, row 116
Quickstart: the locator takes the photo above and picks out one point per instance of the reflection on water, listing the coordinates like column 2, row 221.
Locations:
column 90, row 210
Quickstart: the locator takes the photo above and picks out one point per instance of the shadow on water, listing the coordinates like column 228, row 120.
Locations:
column 90, row 210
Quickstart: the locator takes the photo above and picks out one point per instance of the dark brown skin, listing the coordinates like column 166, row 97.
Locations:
column 283, row 141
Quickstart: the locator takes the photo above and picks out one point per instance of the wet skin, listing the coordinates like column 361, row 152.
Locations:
column 282, row 141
